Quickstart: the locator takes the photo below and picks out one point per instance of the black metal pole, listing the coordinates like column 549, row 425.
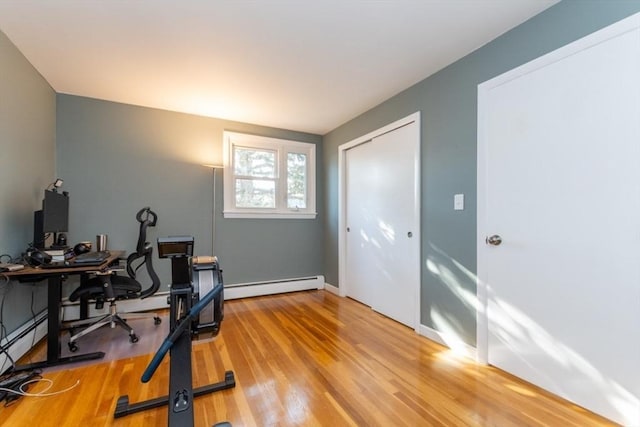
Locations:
column 180, row 371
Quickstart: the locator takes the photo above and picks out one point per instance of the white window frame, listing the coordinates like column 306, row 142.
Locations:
column 282, row 147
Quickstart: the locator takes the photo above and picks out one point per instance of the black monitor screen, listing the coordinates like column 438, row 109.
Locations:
column 55, row 215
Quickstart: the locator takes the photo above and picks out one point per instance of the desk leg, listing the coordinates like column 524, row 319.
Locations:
column 54, row 296
column 84, row 300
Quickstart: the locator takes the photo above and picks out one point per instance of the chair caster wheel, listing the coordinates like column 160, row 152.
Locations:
column 73, row 347
column 157, row 320
column 133, row 338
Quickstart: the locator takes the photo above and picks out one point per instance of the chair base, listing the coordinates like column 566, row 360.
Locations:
column 112, row 319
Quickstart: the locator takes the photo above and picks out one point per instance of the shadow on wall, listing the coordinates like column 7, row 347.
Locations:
column 511, row 330
column 451, row 282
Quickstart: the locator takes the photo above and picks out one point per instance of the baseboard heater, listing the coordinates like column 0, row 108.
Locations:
column 232, row 291
column 158, row 301
column 20, row 341
column 254, row 289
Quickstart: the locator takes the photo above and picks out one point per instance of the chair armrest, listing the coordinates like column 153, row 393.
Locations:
column 105, row 278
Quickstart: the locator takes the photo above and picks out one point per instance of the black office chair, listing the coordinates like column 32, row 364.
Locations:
column 107, row 286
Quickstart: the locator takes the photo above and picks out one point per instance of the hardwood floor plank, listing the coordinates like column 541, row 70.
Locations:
column 307, row 359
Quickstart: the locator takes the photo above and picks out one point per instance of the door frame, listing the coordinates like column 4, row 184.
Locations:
column 342, row 202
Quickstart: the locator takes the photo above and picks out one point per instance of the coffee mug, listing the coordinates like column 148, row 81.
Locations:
column 101, row 242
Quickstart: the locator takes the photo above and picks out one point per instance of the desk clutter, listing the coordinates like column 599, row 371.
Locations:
column 49, row 247
column 100, row 283
column 6, row 266
column 85, row 259
column 63, row 256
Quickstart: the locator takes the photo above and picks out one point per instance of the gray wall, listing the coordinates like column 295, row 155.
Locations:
column 117, row 158
column 27, row 165
column 448, row 101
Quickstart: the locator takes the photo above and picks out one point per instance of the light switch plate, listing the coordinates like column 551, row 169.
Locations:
column 458, row 202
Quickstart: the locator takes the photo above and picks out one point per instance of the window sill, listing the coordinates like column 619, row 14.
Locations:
column 270, row 215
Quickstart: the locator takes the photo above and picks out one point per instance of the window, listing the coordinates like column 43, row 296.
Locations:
column 268, row 177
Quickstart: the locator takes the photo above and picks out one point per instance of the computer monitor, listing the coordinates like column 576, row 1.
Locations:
column 55, row 207
column 53, row 218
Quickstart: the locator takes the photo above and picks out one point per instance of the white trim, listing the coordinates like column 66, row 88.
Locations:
column 158, row 301
column 482, row 321
column 275, row 215
column 281, row 147
column 342, row 220
column 24, row 344
column 453, row 342
column 331, row 288
column 71, row 311
column 246, row 290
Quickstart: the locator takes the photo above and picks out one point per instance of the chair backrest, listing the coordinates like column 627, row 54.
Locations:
column 144, row 252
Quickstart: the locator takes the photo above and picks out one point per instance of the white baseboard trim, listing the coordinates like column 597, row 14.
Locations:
column 246, row 290
column 71, row 311
column 22, row 345
column 333, row 289
column 452, row 342
column 158, row 301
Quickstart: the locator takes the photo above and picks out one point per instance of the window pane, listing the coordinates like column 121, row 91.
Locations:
column 255, row 193
column 254, row 162
column 296, row 181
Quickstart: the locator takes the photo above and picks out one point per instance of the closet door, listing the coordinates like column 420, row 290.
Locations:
column 383, row 242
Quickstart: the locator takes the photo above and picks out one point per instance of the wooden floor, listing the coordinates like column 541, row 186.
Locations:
column 308, row 359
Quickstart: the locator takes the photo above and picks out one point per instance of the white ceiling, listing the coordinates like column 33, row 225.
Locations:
column 293, row 64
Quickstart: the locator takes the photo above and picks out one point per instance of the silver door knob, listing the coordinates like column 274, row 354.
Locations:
column 494, row 240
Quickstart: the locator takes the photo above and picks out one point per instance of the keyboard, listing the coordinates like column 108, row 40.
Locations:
column 86, row 259
column 91, row 257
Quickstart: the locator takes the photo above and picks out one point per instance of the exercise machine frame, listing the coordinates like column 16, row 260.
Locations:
column 185, row 306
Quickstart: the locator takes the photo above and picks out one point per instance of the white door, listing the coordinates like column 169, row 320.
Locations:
column 359, row 276
column 382, row 223
column 559, row 183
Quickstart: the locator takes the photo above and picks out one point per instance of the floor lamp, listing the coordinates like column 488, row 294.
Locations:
column 213, row 215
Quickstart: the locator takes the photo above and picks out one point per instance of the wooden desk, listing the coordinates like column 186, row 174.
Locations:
column 54, row 278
